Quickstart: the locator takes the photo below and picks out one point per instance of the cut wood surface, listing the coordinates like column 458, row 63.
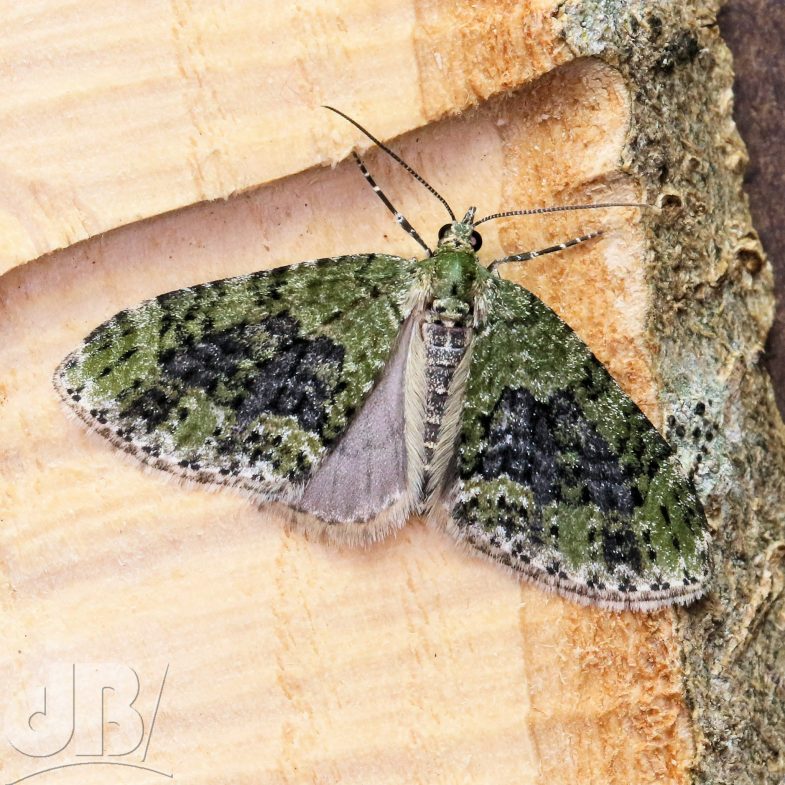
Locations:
column 114, row 113
column 288, row 661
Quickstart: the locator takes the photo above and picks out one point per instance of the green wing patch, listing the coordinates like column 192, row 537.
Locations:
column 243, row 381
column 561, row 476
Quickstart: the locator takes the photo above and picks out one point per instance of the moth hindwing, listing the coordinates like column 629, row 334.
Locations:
column 357, row 390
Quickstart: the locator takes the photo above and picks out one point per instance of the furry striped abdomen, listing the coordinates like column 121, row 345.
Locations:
column 445, row 347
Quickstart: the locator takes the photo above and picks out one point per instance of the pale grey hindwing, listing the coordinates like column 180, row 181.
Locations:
column 365, row 474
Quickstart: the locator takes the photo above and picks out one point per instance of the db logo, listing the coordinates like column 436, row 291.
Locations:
column 82, row 714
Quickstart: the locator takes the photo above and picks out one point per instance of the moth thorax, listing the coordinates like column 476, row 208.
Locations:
column 444, row 348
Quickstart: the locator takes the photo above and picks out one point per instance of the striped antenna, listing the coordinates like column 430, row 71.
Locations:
column 399, row 217
column 562, row 209
column 524, row 257
column 420, row 179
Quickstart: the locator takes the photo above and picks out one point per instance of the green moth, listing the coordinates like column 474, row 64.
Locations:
column 353, row 392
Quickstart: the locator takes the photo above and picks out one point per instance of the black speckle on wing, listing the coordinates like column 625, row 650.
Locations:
column 620, row 547
column 294, row 381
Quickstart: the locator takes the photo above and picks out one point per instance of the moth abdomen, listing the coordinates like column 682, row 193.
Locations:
column 445, row 347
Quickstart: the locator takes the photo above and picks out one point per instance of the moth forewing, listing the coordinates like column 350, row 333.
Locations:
column 248, row 381
column 561, row 477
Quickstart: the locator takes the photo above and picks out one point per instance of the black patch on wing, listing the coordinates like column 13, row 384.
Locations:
column 265, row 368
column 151, row 407
column 205, row 363
column 552, row 449
column 293, row 381
column 521, row 445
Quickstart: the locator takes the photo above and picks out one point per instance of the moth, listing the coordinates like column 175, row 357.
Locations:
column 353, row 392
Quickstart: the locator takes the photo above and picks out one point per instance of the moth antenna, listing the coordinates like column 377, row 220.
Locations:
column 524, row 257
column 399, row 217
column 420, row 179
column 562, row 209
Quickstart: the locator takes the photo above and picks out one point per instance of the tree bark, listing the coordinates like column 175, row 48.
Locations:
column 753, row 27
column 289, row 661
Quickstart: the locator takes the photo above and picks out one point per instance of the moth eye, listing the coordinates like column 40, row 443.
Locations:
column 476, row 241
column 443, row 231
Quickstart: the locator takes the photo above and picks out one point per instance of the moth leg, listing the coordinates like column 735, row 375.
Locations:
column 524, row 257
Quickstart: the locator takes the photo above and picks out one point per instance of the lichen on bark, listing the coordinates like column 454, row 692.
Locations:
column 710, row 310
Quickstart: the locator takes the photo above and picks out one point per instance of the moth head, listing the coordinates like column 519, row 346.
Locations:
column 461, row 235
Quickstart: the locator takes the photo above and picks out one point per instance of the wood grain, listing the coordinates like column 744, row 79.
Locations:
column 115, row 113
